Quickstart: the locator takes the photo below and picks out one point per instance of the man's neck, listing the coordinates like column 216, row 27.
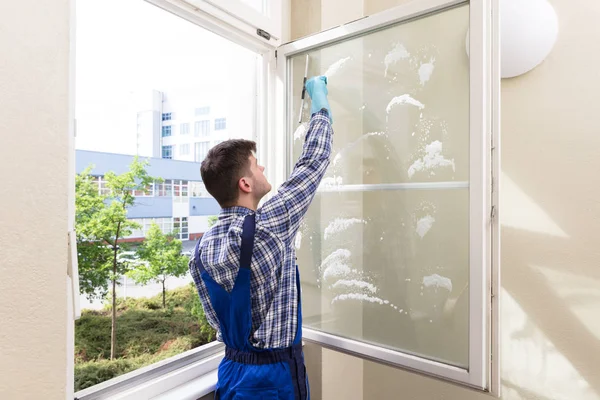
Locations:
column 247, row 203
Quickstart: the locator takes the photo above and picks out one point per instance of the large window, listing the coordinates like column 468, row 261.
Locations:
column 393, row 251
column 133, row 90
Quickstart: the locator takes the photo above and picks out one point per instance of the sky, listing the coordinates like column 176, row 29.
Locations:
column 124, row 46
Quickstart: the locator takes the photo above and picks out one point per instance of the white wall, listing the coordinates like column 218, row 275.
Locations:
column 34, row 82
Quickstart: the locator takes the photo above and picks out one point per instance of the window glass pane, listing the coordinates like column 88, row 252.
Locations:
column 166, row 131
column 384, row 249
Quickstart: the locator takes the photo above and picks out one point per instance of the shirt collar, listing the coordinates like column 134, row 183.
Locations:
column 235, row 210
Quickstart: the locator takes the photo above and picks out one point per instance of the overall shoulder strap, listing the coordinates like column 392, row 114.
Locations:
column 248, row 230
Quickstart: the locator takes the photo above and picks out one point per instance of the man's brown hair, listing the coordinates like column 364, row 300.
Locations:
column 223, row 167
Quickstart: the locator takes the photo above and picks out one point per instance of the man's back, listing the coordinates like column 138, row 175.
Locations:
column 273, row 280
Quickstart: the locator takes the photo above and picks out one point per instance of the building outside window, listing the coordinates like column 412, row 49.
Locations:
column 165, row 188
column 180, row 191
column 184, row 129
column 167, row 152
column 200, row 151
column 220, row 124
column 197, row 189
column 147, row 192
column 180, row 225
column 184, row 149
column 165, row 224
column 166, row 131
column 202, row 111
column 202, row 128
column 101, row 182
column 166, row 116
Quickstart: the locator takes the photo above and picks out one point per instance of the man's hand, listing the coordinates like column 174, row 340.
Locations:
column 317, row 90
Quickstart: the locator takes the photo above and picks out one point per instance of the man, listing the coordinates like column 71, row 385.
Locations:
column 245, row 266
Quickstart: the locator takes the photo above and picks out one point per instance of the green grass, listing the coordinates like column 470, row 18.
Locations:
column 146, row 333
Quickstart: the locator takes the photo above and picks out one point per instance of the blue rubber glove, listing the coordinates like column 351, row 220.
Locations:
column 317, row 90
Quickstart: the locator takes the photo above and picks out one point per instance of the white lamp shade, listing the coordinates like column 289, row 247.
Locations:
column 528, row 32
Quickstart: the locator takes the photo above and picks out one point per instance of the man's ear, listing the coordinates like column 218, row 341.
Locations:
column 244, row 185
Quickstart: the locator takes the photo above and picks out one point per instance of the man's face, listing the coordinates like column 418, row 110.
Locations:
column 261, row 185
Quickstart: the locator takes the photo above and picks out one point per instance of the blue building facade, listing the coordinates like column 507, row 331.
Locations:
column 180, row 202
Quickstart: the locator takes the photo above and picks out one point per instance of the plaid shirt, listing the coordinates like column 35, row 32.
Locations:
column 273, row 281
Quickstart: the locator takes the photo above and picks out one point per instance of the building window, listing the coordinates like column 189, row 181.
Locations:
column 166, row 116
column 165, row 225
column 167, row 152
column 184, row 129
column 197, row 189
column 202, row 111
column 220, row 124
column 180, row 225
column 200, row 151
column 166, row 131
column 180, row 191
column 184, row 149
column 202, row 128
column 165, row 188
column 147, row 192
column 101, row 182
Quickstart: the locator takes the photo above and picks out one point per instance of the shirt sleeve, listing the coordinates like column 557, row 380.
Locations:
column 283, row 213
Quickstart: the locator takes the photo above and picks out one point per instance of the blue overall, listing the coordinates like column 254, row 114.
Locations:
column 247, row 372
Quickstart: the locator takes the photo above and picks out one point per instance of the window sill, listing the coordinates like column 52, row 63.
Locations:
column 193, row 389
column 190, row 375
column 168, row 379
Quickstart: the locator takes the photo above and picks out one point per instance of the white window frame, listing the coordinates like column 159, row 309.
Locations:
column 235, row 20
column 246, row 18
column 483, row 370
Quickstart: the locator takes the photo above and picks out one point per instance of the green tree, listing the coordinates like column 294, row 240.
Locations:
column 105, row 225
column 161, row 257
column 93, row 254
column 212, row 220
